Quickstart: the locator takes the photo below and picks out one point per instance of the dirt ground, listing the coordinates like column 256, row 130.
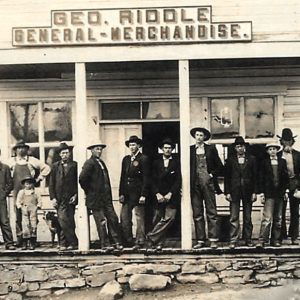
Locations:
column 291, row 291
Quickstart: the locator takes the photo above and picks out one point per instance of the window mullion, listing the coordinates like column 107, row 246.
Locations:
column 242, row 117
column 41, row 137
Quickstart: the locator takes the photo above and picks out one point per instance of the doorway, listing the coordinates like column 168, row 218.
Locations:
column 153, row 133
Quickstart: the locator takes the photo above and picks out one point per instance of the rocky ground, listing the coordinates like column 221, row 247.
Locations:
column 290, row 291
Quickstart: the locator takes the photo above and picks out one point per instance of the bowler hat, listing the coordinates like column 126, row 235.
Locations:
column 167, row 141
column 63, row 146
column 95, row 144
column 29, row 179
column 276, row 145
column 134, row 139
column 239, row 140
column 287, row 135
column 201, row 129
column 20, row 144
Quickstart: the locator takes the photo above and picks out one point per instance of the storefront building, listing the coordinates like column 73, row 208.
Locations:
column 76, row 72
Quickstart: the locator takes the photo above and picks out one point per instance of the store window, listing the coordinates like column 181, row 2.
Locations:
column 156, row 110
column 42, row 125
column 252, row 117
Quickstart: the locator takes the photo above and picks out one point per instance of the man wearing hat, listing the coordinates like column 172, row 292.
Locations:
column 273, row 183
column 133, row 191
column 292, row 158
column 166, row 184
column 95, row 182
column 24, row 165
column 205, row 167
column 63, row 193
column 241, row 184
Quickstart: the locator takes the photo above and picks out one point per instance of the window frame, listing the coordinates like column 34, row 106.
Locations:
column 242, row 128
column 41, row 144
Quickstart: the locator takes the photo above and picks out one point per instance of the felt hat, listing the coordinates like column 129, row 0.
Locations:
column 134, row 139
column 287, row 135
column 167, row 141
column 20, row 144
column 276, row 145
column 201, row 129
column 239, row 140
column 64, row 146
column 95, row 144
column 29, row 179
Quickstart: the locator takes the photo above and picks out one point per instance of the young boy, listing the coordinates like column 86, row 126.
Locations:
column 29, row 202
column 273, row 184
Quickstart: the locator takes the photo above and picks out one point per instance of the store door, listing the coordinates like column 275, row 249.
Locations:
column 153, row 133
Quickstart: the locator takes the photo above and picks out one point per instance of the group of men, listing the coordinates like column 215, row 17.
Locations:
column 274, row 179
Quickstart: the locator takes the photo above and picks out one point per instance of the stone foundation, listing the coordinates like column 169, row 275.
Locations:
column 22, row 279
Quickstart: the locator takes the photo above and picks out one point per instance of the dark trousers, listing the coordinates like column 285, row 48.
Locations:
column 107, row 224
column 235, row 219
column 65, row 214
column 126, row 223
column 294, row 218
column 204, row 193
column 163, row 219
column 272, row 215
column 4, row 223
column 18, row 212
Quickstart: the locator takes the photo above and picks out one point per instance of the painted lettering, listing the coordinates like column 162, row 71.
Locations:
column 68, row 36
column 60, row 19
column 76, row 18
column 94, row 18
column 43, row 36
column 203, row 14
column 126, row 16
column 30, row 36
column 55, row 35
column 222, row 31
column 115, row 33
column 170, row 16
column 127, row 33
column 79, row 35
column 234, row 30
column 19, row 36
column 152, row 16
column 184, row 17
column 140, row 33
column 152, row 33
column 165, row 32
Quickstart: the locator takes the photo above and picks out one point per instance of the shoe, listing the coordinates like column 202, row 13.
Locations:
column 136, row 247
column 232, row 245
column 71, row 247
column 107, row 248
column 62, row 248
column 277, row 244
column 118, row 246
column 159, row 247
column 260, row 245
column 249, row 243
column 32, row 243
column 200, row 244
column 294, row 242
column 213, row 245
column 19, row 242
column 10, row 247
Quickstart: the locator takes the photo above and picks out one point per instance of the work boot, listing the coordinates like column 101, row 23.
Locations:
column 25, row 242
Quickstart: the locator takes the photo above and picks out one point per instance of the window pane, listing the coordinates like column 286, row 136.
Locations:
column 224, row 118
column 259, row 117
column 57, row 118
column 118, row 111
column 24, row 122
column 160, row 110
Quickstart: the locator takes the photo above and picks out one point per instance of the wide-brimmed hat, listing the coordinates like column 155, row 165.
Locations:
column 276, row 145
column 95, row 144
column 20, row 144
column 28, row 178
column 287, row 135
column 201, row 129
column 64, row 146
column 134, row 139
column 239, row 140
column 167, row 141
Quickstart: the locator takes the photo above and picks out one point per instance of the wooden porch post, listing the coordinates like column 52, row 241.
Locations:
column 81, row 143
column 184, row 114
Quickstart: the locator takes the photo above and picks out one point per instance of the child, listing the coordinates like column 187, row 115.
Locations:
column 29, row 202
column 273, row 184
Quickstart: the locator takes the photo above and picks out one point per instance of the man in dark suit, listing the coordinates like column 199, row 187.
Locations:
column 292, row 158
column 95, row 182
column 133, row 191
column 274, row 181
column 241, row 183
column 205, row 167
column 166, row 184
column 63, row 193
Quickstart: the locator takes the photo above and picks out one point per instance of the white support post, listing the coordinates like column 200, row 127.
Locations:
column 81, row 143
column 184, row 104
